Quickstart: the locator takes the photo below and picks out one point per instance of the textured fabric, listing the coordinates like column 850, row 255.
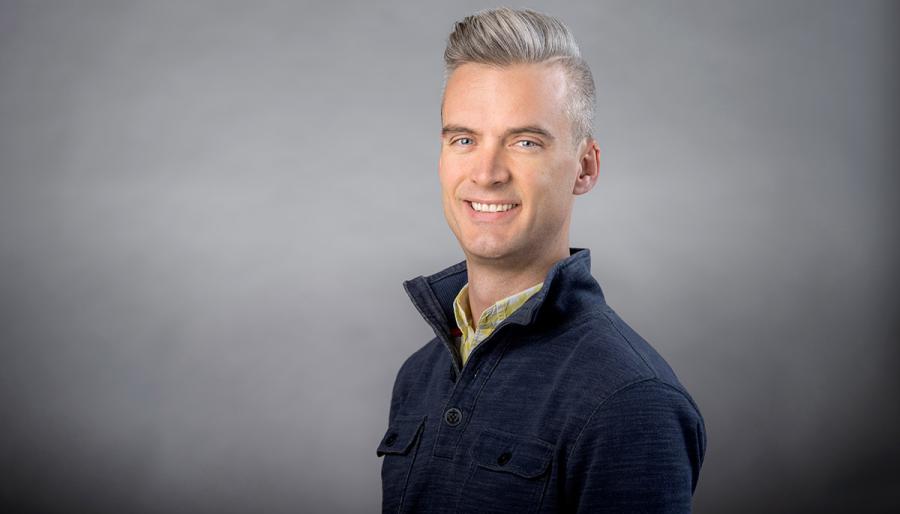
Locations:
column 489, row 319
column 563, row 408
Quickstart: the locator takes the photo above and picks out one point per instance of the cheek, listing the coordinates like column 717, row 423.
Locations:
column 546, row 185
column 447, row 174
column 448, row 187
column 552, row 192
column 564, row 174
column 444, row 181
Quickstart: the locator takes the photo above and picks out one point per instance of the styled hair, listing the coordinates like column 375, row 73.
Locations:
column 504, row 36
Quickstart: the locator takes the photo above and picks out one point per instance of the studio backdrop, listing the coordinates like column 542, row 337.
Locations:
column 207, row 210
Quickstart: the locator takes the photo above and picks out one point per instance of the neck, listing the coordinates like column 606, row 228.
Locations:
column 491, row 281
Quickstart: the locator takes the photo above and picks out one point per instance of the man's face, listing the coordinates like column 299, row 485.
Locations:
column 508, row 166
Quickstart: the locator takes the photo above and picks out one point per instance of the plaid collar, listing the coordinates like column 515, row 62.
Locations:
column 490, row 318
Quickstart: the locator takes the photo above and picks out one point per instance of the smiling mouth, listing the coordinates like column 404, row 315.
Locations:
column 492, row 207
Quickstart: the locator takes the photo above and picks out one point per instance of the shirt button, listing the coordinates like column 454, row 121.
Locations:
column 452, row 416
column 390, row 440
column 504, row 458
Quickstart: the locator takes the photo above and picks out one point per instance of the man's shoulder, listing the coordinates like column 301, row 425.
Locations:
column 610, row 368
column 605, row 350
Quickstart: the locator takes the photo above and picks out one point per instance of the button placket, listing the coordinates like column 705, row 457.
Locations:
column 458, row 409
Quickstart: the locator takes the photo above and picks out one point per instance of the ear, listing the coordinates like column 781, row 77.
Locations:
column 589, row 167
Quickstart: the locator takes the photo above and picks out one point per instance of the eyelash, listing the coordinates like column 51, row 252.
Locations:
column 532, row 144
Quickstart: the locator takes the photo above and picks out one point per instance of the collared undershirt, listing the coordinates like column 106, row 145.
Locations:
column 490, row 318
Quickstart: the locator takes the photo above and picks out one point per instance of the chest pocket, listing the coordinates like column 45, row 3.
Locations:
column 509, row 473
column 398, row 447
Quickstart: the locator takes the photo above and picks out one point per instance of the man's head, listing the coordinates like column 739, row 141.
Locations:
column 516, row 135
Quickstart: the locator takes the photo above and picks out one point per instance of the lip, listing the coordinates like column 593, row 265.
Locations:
column 491, row 216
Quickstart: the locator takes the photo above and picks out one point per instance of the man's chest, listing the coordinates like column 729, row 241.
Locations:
column 497, row 430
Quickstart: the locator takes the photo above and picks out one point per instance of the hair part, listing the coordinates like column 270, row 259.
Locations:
column 504, row 36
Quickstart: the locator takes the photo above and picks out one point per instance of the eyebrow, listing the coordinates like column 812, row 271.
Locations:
column 527, row 129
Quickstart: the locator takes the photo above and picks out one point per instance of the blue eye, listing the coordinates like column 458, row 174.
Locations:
column 465, row 141
column 525, row 143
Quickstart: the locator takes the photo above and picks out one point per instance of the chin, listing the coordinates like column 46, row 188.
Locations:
column 476, row 242
column 489, row 250
column 485, row 255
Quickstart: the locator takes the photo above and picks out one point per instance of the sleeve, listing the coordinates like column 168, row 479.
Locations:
column 640, row 451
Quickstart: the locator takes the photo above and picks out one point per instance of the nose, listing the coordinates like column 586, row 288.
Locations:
column 490, row 167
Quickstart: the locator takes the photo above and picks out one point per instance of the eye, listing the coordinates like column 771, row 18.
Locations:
column 527, row 143
column 464, row 141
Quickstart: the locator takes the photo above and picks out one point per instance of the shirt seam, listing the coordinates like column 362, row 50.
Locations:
column 612, row 395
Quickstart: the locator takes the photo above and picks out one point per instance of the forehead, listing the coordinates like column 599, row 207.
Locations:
column 490, row 97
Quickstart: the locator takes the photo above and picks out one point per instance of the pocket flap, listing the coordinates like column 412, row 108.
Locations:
column 522, row 455
column 400, row 435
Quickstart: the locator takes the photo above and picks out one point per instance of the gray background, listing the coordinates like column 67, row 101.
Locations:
column 207, row 210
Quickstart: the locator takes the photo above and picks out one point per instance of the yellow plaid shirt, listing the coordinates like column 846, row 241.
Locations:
column 490, row 318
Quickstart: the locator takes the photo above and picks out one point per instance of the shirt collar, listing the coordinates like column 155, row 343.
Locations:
column 493, row 315
column 434, row 295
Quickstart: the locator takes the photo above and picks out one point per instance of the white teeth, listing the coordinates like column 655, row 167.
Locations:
column 492, row 207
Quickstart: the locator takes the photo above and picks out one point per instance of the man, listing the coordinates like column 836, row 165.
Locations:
column 534, row 396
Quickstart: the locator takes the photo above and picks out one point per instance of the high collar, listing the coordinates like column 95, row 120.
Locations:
column 568, row 288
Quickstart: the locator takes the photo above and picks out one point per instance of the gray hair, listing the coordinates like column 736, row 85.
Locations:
column 504, row 36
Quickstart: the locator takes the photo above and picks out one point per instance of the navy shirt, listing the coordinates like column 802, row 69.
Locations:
column 563, row 408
